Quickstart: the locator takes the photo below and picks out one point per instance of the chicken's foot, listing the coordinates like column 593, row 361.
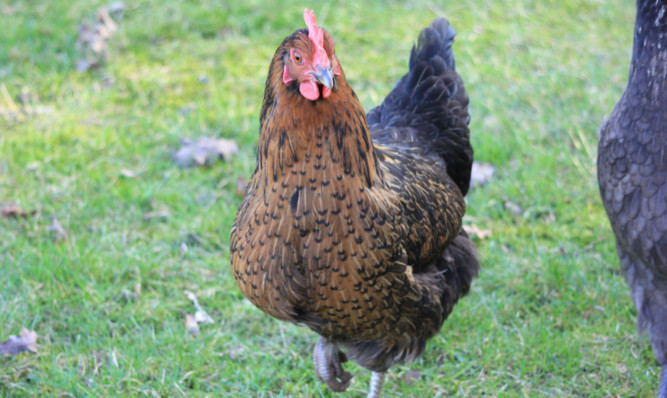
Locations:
column 327, row 359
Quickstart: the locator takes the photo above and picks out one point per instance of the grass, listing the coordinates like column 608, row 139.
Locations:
column 550, row 314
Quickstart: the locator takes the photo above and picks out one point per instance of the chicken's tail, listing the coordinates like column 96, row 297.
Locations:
column 428, row 108
column 460, row 263
column 449, row 277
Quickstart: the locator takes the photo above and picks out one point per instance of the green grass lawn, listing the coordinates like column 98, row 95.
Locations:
column 549, row 315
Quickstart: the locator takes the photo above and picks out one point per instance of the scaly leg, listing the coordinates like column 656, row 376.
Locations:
column 662, row 392
column 327, row 360
column 376, row 385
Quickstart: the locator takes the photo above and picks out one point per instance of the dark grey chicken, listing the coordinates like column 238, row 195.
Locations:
column 632, row 172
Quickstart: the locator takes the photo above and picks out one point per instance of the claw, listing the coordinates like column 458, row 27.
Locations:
column 327, row 360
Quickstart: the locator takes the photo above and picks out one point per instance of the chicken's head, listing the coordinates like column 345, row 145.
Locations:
column 311, row 61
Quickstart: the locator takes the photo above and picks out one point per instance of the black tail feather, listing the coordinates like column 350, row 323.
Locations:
column 460, row 264
column 428, row 108
column 436, row 40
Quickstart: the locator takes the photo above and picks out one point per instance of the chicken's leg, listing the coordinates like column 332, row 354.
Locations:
column 662, row 392
column 376, row 385
column 327, row 359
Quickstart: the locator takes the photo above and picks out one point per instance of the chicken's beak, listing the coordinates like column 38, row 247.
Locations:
column 324, row 76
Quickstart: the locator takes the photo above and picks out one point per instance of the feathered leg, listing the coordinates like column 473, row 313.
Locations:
column 376, row 385
column 327, row 360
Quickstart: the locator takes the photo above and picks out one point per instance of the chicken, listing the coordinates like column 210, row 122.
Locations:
column 632, row 172
column 351, row 224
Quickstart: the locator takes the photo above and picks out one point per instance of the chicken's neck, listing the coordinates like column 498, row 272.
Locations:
column 648, row 71
column 650, row 29
column 302, row 138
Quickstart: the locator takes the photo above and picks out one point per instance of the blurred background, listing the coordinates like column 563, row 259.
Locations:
column 128, row 131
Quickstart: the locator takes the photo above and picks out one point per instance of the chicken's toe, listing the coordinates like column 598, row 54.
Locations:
column 327, row 359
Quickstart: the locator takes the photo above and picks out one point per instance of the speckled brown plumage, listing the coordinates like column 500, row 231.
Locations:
column 632, row 171
column 352, row 226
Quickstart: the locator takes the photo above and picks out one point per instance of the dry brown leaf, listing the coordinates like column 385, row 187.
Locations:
column 191, row 325
column 156, row 212
column 113, row 359
column 200, row 316
column 411, row 376
column 7, row 10
column 513, row 208
column 59, row 233
column 235, row 352
column 474, row 231
column 27, row 105
column 127, row 173
column 26, row 341
column 83, row 65
column 93, row 38
column 481, row 173
column 204, row 151
column 241, row 184
column 13, row 211
column 159, row 215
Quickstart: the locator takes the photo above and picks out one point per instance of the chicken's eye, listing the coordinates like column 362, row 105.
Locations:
column 297, row 58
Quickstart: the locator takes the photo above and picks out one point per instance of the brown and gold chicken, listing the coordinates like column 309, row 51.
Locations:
column 351, row 223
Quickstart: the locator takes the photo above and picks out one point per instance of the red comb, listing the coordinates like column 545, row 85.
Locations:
column 314, row 33
column 316, row 36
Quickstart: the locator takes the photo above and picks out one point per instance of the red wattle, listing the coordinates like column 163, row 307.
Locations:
column 309, row 90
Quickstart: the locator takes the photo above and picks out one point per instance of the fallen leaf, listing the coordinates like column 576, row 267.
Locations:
column 116, row 9
column 204, row 151
column 159, row 215
column 474, row 231
column 206, row 198
column 13, row 211
column 184, row 111
column 411, row 376
column 32, row 166
column 127, row 173
column 7, row 10
column 513, row 208
column 191, row 325
column 481, row 174
column 59, row 233
column 241, row 184
column 113, row 359
column 27, row 105
column 27, row 341
column 193, row 239
column 236, row 352
column 93, row 38
column 200, row 316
